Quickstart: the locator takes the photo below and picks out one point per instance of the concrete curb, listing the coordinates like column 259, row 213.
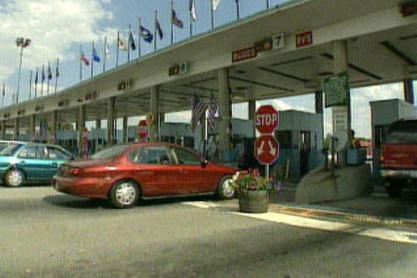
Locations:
column 320, row 213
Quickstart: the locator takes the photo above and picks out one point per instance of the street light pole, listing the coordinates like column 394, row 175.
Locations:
column 22, row 43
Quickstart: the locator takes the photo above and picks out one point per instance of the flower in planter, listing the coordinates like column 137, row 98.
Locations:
column 253, row 181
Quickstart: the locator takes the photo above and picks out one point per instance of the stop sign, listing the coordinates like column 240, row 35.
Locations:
column 266, row 149
column 143, row 129
column 266, row 119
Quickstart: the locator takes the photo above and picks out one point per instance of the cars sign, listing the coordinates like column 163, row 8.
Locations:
column 266, row 119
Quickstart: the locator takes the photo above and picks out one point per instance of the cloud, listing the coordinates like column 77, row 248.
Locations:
column 52, row 25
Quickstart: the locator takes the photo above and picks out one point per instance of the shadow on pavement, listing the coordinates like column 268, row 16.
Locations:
column 75, row 202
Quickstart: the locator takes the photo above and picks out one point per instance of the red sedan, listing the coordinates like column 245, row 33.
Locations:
column 125, row 173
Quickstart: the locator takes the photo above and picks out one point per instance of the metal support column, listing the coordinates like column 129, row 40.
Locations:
column 318, row 97
column 81, row 125
column 16, row 129
column 111, row 114
column 98, row 123
column 54, row 127
column 31, row 130
column 225, row 113
column 408, row 91
column 251, row 113
column 154, row 136
column 3, row 129
column 125, row 130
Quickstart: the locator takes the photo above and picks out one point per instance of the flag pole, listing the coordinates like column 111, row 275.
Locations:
column 30, row 84
column 3, row 93
column 267, row 4
column 191, row 18
column 56, row 74
column 128, row 43
column 42, row 79
column 48, row 82
column 92, row 60
column 172, row 22
column 81, row 66
column 117, row 52
column 36, row 82
column 105, row 54
column 212, row 14
column 154, row 42
column 139, row 24
column 237, row 10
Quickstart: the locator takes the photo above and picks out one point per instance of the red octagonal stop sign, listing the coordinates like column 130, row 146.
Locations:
column 266, row 119
column 266, row 149
column 143, row 129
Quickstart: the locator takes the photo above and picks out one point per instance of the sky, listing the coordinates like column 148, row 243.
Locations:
column 58, row 28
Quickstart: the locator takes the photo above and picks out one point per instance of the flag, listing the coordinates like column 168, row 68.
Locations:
column 107, row 51
column 84, row 59
column 43, row 73
column 57, row 69
column 36, row 77
column 146, row 34
column 96, row 58
column 4, row 90
column 159, row 29
column 212, row 113
column 198, row 109
column 49, row 71
column 215, row 4
column 132, row 40
column 175, row 20
column 121, row 44
column 193, row 12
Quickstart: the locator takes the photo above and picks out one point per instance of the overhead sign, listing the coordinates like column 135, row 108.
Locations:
column 266, row 149
column 266, row 119
column 263, row 45
column 304, row 39
column 244, row 54
column 278, row 41
column 143, row 129
column 336, row 88
column 408, row 8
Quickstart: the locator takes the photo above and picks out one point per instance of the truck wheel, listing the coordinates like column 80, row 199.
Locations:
column 394, row 189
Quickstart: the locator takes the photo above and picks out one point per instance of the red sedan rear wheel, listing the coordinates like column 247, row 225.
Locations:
column 124, row 194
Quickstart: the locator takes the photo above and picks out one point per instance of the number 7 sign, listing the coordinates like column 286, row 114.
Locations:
column 278, row 41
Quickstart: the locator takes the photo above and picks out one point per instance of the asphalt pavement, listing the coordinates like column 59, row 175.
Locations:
column 44, row 233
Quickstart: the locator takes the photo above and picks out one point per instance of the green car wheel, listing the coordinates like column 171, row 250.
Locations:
column 14, row 178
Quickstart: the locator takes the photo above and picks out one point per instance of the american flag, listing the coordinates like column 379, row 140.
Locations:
column 212, row 113
column 199, row 108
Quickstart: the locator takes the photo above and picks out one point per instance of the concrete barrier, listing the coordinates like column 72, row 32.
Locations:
column 319, row 186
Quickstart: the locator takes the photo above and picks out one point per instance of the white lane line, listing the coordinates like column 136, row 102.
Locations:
column 333, row 226
column 201, row 204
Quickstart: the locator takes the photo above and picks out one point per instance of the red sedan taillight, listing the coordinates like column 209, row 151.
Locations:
column 75, row 171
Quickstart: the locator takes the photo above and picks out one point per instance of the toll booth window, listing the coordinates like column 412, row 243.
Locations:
column 153, row 155
column 186, row 157
column 284, row 139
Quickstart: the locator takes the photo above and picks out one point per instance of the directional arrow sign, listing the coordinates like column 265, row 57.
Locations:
column 266, row 149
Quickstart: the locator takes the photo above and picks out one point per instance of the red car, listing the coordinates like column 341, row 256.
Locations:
column 398, row 160
column 125, row 173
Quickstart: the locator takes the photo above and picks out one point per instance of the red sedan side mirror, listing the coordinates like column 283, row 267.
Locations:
column 204, row 163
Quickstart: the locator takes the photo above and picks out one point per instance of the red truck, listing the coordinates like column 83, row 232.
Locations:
column 398, row 159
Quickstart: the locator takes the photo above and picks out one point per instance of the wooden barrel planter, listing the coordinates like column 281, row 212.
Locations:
column 253, row 201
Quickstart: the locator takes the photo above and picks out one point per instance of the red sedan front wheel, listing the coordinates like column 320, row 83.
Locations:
column 226, row 189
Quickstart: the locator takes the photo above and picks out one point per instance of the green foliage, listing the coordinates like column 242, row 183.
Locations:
column 253, row 181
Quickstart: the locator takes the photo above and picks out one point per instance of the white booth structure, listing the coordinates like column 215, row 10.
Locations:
column 300, row 135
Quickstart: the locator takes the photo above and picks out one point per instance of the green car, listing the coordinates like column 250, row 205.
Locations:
column 22, row 162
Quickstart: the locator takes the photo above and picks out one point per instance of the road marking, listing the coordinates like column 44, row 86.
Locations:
column 325, row 225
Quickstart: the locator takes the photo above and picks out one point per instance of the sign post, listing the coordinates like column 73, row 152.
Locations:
column 266, row 146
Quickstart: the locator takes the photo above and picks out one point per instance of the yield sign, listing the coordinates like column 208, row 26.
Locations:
column 266, row 149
